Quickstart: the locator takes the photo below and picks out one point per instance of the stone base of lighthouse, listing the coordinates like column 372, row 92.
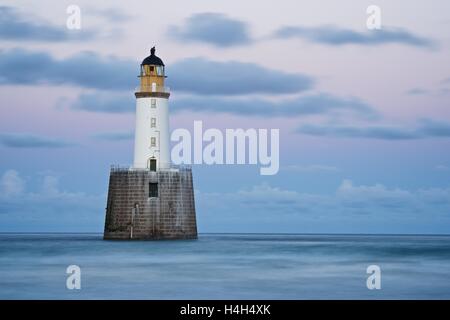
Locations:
column 150, row 205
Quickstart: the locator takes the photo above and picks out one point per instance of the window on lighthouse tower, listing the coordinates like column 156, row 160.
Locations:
column 152, row 142
column 153, row 123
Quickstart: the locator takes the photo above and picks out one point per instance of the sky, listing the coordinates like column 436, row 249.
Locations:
column 364, row 115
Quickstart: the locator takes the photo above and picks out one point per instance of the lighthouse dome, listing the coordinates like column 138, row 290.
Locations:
column 152, row 59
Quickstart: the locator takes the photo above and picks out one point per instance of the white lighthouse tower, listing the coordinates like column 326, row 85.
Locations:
column 151, row 144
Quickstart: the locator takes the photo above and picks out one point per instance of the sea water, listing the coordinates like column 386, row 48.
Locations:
column 225, row 266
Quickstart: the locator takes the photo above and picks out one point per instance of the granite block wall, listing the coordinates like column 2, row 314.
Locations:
column 133, row 213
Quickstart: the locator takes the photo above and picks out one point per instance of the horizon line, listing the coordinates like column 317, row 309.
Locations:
column 246, row 233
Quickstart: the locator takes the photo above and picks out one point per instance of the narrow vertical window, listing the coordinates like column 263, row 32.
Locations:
column 152, row 142
column 153, row 190
column 152, row 164
column 153, row 103
column 153, row 123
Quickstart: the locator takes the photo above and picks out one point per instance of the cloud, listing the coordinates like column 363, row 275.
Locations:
column 86, row 69
column 416, row 91
column 332, row 35
column 221, row 31
column 319, row 104
column 48, row 207
column 374, row 132
column 114, row 136
column 11, row 184
column 232, row 78
column 433, row 128
column 212, row 28
column 375, row 195
column 25, row 140
column 262, row 198
column 313, row 104
column 15, row 27
column 89, row 70
column 426, row 129
column 350, row 208
column 105, row 102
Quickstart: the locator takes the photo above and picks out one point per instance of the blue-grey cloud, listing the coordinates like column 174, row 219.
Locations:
column 332, row 35
column 426, row 129
column 16, row 27
column 212, row 28
column 86, row 69
column 313, row 104
column 25, row 140
column 433, row 128
column 105, row 102
column 89, row 70
column 114, row 136
column 318, row 104
column 232, row 77
column 417, row 91
column 381, row 132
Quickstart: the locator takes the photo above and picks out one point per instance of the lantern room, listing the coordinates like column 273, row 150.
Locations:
column 152, row 73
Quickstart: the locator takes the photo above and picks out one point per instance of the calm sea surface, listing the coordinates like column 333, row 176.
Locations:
column 225, row 266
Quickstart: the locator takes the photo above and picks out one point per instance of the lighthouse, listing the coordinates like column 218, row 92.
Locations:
column 151, row 145
column 151, row 199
